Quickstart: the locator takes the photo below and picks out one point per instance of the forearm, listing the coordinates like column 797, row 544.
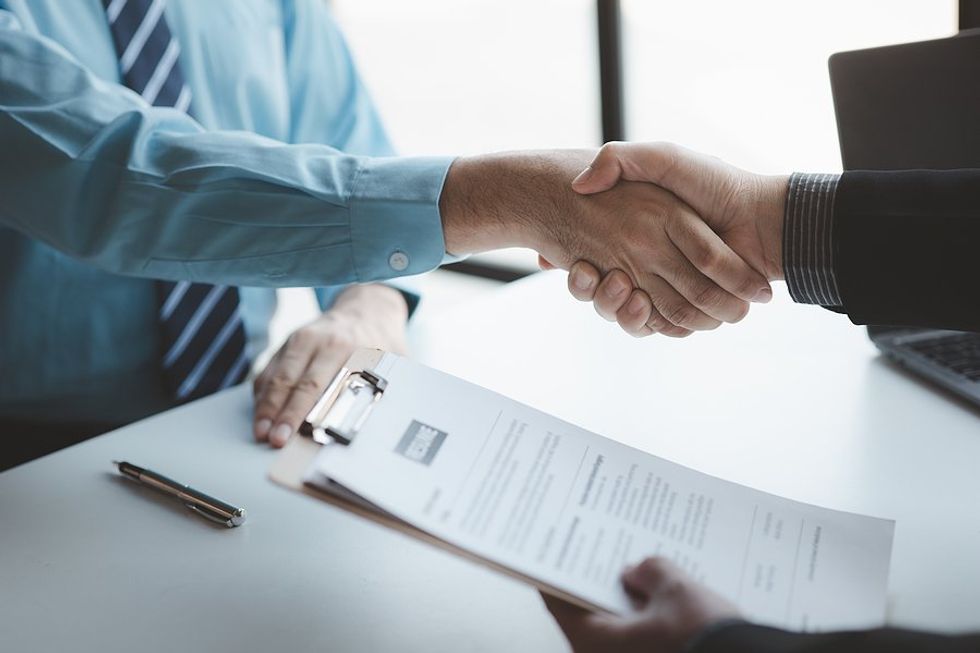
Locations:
column 93, row 171
column 511, row 199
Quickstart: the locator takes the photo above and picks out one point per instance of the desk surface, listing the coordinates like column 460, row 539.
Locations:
column 793, row 401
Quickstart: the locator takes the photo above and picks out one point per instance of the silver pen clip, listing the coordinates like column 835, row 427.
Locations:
column 216, row 517
column 209, row 515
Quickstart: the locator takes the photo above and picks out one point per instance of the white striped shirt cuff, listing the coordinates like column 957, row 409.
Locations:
column 808, row 239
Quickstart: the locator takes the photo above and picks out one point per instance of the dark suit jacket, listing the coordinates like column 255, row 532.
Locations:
column 907, row 248
column 907, row 253
column 749, row 638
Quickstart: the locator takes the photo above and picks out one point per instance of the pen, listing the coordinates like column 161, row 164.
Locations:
column 204, row 505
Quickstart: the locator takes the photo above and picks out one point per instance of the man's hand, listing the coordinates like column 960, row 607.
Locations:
column 745, row 210
column 362, row 316
column 690, row 277
column 671, row 610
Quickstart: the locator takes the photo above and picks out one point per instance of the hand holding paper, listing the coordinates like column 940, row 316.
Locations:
column 672, row 609
column 567, row 510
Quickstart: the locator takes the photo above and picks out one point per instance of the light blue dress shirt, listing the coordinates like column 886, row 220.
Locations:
column 282, row 177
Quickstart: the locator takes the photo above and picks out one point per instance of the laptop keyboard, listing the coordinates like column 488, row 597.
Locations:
column 959, row 353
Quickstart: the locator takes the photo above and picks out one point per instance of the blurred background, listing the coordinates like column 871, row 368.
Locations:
column 745, row 81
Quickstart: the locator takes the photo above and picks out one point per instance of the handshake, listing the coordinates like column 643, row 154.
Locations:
column 661, row 239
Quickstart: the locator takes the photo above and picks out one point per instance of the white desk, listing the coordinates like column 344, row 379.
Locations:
column 793, row 401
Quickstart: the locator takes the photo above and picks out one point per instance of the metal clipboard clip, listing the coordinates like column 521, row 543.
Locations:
column 343, row 407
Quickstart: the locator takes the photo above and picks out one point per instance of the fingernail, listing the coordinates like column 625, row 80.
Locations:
column 763, row 296
column 262, row 427
column 635, row 306
column 615, row 289
column 281, row 434
column 581, row 280
column 583, row 176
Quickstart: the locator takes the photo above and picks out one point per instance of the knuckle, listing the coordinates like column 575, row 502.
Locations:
column 342, row 340
column 680, row 314
column 302, row 338
column 708, row 259
column 709, row 295
column 307, row 385
column 612, row 148
column 280, row 381
column 656, row 322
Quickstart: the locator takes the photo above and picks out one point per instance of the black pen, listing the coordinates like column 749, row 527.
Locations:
column 204, row 505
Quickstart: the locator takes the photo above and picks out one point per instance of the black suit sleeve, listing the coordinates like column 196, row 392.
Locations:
column 907, row 248
column 750, row 638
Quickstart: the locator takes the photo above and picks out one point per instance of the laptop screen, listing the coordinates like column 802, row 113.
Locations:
column 909, row 106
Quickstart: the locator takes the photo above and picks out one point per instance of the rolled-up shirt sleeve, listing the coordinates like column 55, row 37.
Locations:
column 92, row 170
column 808, row 239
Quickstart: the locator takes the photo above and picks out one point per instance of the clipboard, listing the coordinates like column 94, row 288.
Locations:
column 335, row 420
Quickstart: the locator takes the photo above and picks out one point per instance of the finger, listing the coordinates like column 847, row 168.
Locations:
column 657, row 324
column 602, row 174
column 281, row 376
column 716, row 260
column 306, row 391
column 673, row 331
column 675, row 309
column 583, row 629
column 544, row 263
column 262, row 425
column 695, row 181
column 644, row 579
column 700, row 291
column 612, row 294
column 634, row 316
column 583, row 278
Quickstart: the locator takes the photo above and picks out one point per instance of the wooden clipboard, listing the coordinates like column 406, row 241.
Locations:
column 291, row 464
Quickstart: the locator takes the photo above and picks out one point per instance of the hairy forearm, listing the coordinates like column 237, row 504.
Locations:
column 510, row 199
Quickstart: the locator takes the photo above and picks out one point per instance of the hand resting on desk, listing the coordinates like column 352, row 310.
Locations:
column 285, row 391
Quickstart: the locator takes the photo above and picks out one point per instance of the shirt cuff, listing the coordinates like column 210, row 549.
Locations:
column 808, row 239
column 395, row 224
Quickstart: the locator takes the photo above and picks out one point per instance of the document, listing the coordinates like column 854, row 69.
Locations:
column 570, row 509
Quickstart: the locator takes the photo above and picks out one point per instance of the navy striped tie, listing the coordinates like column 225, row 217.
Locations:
column 204, row 344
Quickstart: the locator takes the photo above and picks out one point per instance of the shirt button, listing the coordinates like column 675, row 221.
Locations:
column 398, row 260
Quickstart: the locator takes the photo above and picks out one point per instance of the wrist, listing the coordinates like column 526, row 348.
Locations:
column 372, row 301
column 510, row 199
column 769, row 223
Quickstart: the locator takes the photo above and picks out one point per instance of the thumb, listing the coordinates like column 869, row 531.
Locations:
column 643, row 580
column 602, row 174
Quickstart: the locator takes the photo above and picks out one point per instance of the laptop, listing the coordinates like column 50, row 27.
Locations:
column 910, row 106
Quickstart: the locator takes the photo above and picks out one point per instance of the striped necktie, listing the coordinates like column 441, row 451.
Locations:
column 204, row 344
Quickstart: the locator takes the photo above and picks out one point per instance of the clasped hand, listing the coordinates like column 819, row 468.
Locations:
column 705, row 247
